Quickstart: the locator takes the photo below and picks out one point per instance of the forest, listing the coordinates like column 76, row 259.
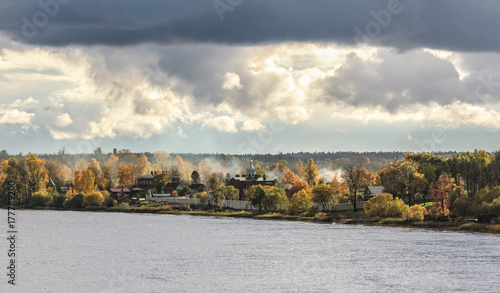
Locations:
column 415, row 184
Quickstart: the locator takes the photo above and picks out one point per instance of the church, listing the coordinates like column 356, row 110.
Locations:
column 250, row 178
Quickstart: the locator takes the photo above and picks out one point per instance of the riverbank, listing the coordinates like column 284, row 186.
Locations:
column 346, row 217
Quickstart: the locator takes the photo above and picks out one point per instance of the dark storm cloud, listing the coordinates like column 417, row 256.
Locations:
column 397, row 81
column 453, row 25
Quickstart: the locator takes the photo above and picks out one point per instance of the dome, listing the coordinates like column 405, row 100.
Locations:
column 251, row 168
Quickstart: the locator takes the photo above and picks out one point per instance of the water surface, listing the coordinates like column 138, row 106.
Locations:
column 61, row 251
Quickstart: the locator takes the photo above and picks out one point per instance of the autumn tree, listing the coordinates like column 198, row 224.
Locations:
column 257, row 197
column 15, row 170
column 232, row 193
column 299, row 203
column 81, row 164
column 324, row 195
column 55, row 172
column 441, row 191
column 494, row 169
column 84, row 181
column 356, row 177
column 126, row 156
column 161, row 160
column 126, row 175
column 279, row 168
column 260, row 171
column 112, row 164
column 297, row 186
column 275, row 198
column 36, row 172
column 219, row 195
column 143, row 166
column 161, row 179
column 299, row 167
column 213, row 181
column 106, row 180
column 288, row 177
column 310, row 172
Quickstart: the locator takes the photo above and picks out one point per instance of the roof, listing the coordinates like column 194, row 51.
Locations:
column 196, row 186
column 147, row 176
column 51, row 183
column 251, row 168
column 374, row 190
column 174, row 185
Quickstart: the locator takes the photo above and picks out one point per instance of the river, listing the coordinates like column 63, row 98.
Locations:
column 63, row 251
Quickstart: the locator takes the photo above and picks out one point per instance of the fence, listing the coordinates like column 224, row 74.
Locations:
column 239, row 204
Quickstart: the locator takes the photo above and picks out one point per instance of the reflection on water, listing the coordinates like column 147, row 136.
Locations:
column 113, row 252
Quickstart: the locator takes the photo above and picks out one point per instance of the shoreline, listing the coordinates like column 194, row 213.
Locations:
column 347, row 218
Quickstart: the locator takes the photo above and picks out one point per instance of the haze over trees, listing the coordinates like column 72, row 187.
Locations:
column 457, row 183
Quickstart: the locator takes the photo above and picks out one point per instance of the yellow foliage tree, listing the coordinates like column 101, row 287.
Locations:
column 310, row 172
column 84, row 181
column 94, row 198
column 126, row 175
column 300, row 202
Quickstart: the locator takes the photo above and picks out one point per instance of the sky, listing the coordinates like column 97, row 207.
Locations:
column 249, row 76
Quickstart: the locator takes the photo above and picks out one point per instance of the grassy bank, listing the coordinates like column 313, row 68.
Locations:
column 347, row 217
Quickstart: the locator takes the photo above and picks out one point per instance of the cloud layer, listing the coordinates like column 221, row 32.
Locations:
column 452, row 25
column 118, row 70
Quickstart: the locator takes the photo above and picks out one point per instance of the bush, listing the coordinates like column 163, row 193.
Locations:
column 204, row 198
column 185, row 207
column 109, row 202
column 300, row 203
column 398, row 209
column 417, row 212
column 123, row 206
column 59, row 201
column 105, row 193
column 94, row 198
column 385, row 205
column 76, row 202
column 40, row 199
column 378, row 205
column 495, row 207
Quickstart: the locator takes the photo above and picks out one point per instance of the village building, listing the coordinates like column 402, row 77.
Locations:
column 244, row 182
column 124, row 193
column 372, row 191
column 146, row 181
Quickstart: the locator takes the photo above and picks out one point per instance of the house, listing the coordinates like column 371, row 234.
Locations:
column 123, row 193
column 174, row 186
column 146, row 181
column 198, row 187
column 245, row 181
column 372, row 191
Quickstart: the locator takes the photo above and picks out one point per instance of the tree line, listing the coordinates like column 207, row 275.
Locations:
column 462, row 183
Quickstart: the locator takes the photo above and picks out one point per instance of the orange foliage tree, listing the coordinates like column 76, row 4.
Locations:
column 441, row 191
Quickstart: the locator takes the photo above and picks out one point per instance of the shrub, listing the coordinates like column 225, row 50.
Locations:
column 378, row 205
column 59, row 201
column 40, row 199
column 460, row 206
column 300, row 203
column 109, row 202
column 94, row 198
column 385, row 205
column 76, row 202
column 495, row 207
column 185, row 207
column 417, row 212
column 204, row 198
column 123, row 206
